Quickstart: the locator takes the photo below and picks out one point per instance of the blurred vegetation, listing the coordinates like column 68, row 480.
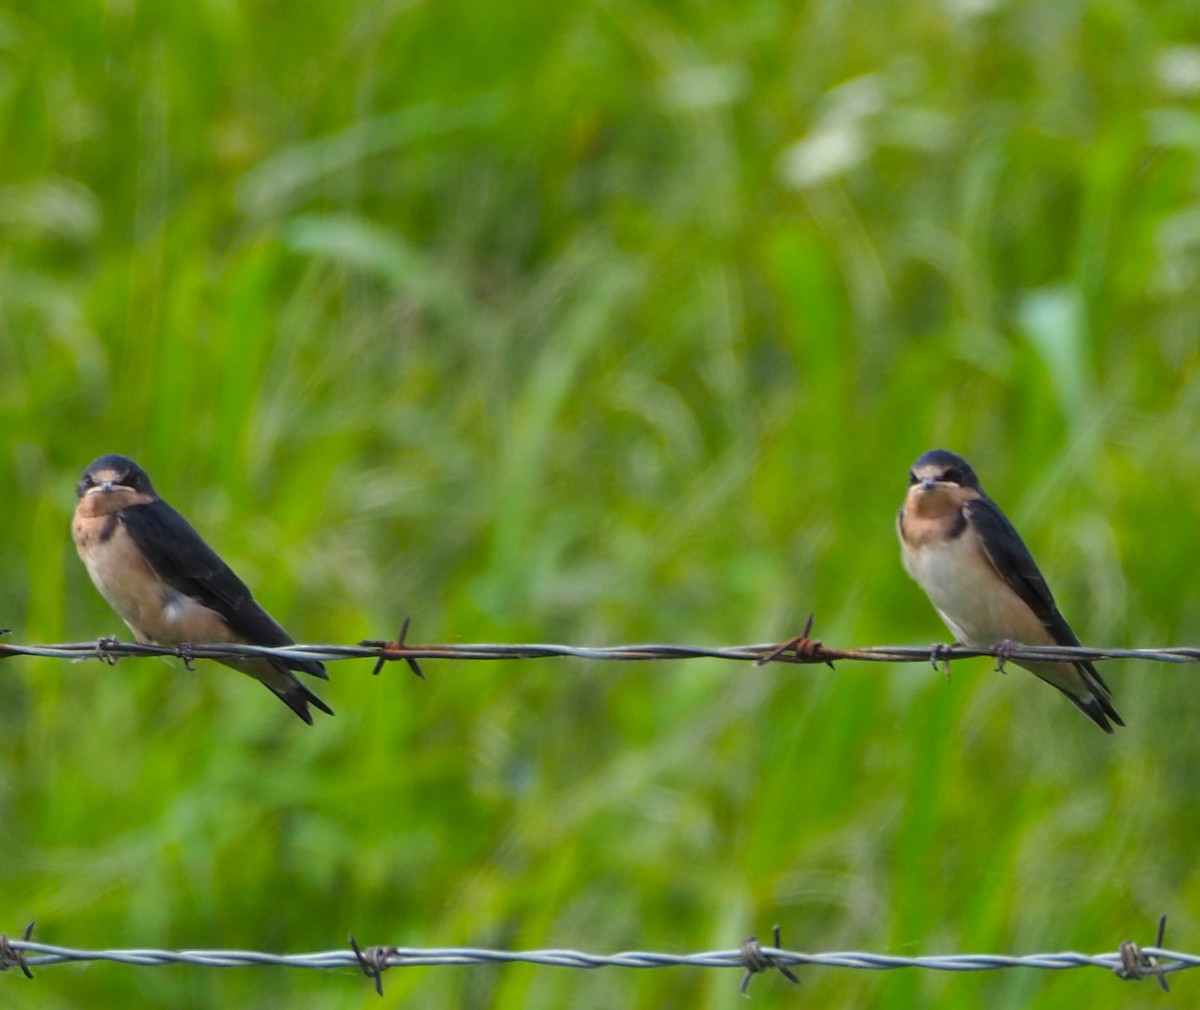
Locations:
column 600, row 322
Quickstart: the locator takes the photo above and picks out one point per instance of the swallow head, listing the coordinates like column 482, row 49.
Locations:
column 940, row 483
column 112, row 473
column 941, row 469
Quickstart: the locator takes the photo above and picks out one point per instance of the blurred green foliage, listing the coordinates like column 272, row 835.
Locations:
column 600, row 322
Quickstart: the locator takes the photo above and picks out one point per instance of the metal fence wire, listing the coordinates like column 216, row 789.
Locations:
column 1128, row 962
column 799, row 650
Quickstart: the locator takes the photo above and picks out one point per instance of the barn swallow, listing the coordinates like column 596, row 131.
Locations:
column 168, row 585
column 979, row 575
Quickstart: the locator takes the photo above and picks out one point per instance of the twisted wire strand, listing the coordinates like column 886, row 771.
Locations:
column 803, row 652
column 42, row 954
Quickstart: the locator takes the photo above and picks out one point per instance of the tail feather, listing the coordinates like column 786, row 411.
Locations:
column 312, row 668
column 1097, row 705
column 1092, row 675
column 297, row 697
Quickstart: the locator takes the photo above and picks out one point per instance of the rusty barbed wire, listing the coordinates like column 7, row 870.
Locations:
column 800, row 651
column 1130, row 962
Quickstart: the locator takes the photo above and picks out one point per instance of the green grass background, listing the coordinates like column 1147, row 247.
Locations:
column 600, row 322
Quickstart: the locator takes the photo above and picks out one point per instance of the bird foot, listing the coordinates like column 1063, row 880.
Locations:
column 102, row 649
column 187, row 652
column 938, row 656
column 1004, row 650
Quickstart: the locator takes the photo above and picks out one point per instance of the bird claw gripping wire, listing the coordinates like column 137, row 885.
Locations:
column 103, row 645
column 939, row 656
column 1137, row 965
column 806, row 650
column 373, row 961
column 1004, row 650
column 396, row 646
column 10, row 956
column 187, row 652
column 755, row 960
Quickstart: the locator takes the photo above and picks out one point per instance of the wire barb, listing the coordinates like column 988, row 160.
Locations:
column 756, row 960
column 397, row 646
column 806, row 650
column 1136, row 964
column 373, row 961
column 10, row 956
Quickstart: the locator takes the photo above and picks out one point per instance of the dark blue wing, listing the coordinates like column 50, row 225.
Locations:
column 1015, row 565
column 182, row 559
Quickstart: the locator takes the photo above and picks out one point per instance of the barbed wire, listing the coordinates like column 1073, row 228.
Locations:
column 1129, row 962
column 800, row 650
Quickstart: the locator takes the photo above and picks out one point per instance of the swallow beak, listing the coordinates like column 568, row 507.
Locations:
column 928, row 484
column 106, row 486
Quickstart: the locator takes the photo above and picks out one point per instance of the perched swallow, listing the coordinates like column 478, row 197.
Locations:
column 168, row 585
column 979, row 575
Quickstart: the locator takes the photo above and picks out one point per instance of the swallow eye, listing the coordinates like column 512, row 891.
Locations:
column 912, row 478
column 952, row 476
